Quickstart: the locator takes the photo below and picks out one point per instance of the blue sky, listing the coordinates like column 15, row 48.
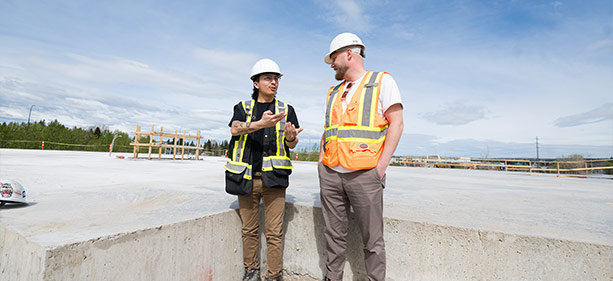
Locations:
column 477, row 78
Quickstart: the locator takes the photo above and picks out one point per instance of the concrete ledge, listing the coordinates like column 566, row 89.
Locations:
column 206, row 248
column 209, row 248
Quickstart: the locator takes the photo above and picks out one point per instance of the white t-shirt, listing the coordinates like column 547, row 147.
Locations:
column 388, row 96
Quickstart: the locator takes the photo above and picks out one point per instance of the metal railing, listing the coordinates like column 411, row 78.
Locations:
column 580, row 168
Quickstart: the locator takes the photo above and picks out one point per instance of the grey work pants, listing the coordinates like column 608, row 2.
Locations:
column 363, row 191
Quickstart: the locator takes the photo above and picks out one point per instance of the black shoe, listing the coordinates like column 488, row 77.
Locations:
column 251, row 275
column 274, row 279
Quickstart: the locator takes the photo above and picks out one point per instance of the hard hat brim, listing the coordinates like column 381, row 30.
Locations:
column 254, row 75
column 328, row 57
column 22, row 201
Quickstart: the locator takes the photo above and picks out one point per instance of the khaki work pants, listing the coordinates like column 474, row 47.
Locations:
column 363, row 191
column 274, row 210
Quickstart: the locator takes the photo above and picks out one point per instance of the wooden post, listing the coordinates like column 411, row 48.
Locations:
column 136, row 140
column 174, row 148
column 183, row 144
column 530, row 164
column 586, row 170
column 558, row 167
column 198, row 145
column 160, row 149
column 150, row 142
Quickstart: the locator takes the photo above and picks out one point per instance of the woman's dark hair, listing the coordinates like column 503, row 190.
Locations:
column 254, row 95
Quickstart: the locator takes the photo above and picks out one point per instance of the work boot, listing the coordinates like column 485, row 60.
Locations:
column 274, row 279
column 251, row 274
column 327, row 279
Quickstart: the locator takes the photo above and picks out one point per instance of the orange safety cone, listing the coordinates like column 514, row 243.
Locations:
column 226, row 154
column 296, row 156
column 43, row 146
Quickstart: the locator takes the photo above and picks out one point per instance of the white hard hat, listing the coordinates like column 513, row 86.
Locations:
column 341, row 41
column 11, row 192
column 265, row 66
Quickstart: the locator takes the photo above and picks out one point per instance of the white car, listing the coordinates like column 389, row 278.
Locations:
column 11, row 192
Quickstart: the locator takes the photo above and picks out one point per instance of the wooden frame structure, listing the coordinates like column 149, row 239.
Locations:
column 161, row 145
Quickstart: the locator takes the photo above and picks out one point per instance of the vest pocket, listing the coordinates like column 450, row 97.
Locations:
column 351, row 114
column 236, row 184
column 235, row 177
column 363, row 155
column 276, row 178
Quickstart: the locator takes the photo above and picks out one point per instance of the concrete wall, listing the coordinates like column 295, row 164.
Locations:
column 422, row 251
column 20, row 260
column 202, row 249
column 209, row 248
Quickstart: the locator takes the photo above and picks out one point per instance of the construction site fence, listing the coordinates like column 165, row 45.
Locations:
column 578, row 168
column 50, row 145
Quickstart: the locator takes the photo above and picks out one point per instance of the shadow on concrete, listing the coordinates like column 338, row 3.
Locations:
column 17, row 205
column 234, row 205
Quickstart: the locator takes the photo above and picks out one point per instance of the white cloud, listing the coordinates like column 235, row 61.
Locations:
column 599, row 114
column 456, row 114
column 601, row 45
column 111, row 73
column 401, row 31
column 347, row 14
column 226, row 59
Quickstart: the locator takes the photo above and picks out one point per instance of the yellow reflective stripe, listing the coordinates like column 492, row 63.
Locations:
column 280, row 162
column 330, row 138
column 277, row 126
column 331, row 98
column 375, row 98
column 363, row 128
column 243, row 138
column 362, row 95
column 234, row 150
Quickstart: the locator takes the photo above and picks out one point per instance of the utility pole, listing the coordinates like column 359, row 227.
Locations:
column 29, row 114
column 537, row 148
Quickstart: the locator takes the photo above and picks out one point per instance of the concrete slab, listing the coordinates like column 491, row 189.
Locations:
column 87, row 204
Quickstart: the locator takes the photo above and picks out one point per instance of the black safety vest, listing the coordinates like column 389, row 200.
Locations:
column 276, row 164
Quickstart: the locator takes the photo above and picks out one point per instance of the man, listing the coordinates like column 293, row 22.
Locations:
column 258, row 166
column 363, row 124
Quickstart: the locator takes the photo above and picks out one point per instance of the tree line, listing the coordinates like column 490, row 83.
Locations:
column 59, row 137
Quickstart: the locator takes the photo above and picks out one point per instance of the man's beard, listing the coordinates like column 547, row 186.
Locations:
column 340, row 73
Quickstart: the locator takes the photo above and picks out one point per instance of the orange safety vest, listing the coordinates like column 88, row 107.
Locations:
column 354, row 139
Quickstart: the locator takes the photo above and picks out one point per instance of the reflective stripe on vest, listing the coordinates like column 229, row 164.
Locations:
column 364, row 132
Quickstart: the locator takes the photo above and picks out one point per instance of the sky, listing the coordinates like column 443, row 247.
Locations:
column 477, row 78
